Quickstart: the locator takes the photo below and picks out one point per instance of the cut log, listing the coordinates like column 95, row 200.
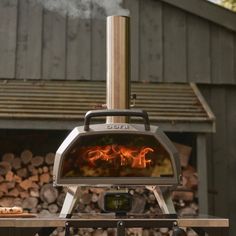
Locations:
column 32, row 170
column 49, row 158
column 4, row 167
column 48, row 193
column 8, row 157
column 139, row 203
column 35, row 185
column 86, row 198
column 45, row 169
column 44, row 212
column 30, row 203
column 53, row 208
column 44, row 178
column 44, row 205
column 7, row 201
column 26, row 184
column 13, row 193
column 40, row 170
column 190, row 178
column 61, row 198
column 24, row 194
column 17, row 179
column 184, row 153
column 17, row 202
column 3, row 187
column 9, row 176
column 34, row 192
column 34, row 178
column 16, row 163
column 23, row 173
column 37, row 161
column 183, row 195
column 95, row 197
column 1, row 178
column 26, row 156
column 187, row 211
column 11, row 185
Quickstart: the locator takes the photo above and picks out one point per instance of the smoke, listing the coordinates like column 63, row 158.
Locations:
column 85, row 8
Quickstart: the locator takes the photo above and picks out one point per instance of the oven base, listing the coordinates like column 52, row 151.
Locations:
column 162, row 195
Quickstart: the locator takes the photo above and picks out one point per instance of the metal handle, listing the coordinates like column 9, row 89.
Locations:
column 116, row 112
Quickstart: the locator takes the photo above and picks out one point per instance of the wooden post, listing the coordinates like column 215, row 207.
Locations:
column 202, row 173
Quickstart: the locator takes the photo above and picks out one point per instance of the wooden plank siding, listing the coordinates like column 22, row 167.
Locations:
column 222, row 152
column 198, row 47
column 174, row 40
column 151, row 43
column 222, row 58
column 218, row 151
column 8, row 37
column 168, row 44
column 54, row 46
column 98, row 45
column 78, row 49
column 29, row 43
column 231, row 154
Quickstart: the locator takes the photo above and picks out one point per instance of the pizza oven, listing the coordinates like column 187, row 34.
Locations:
column 117, row 152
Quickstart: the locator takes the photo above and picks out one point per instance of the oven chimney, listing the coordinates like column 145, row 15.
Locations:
column 118, row 65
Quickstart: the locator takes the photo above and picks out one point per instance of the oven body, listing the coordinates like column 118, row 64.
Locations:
column 116, row 154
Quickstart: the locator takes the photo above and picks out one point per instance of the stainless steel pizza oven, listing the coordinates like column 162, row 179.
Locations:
column 116, row 153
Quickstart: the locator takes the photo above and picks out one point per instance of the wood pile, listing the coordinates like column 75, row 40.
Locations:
column 26, row 181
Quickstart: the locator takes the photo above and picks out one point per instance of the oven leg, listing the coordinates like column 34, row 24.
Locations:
column 69, row 202
column 120, row 228
column 163, row 197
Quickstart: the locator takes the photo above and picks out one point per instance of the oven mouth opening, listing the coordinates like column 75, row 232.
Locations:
column 116, row 155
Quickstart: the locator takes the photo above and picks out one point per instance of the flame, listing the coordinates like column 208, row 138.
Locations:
column 125, row 156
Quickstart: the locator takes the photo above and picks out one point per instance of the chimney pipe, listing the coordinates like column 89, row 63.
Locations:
column 118, row 65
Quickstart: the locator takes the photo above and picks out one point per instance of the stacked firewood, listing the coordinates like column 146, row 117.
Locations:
column 185, row 196
column 26, row 181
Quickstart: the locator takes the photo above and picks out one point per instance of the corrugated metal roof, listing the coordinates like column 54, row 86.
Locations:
column 70, row 100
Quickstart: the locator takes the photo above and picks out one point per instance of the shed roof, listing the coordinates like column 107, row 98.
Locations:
column 207, row 10
column 63, row 104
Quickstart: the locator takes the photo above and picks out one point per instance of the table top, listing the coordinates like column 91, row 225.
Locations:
column 56, row 221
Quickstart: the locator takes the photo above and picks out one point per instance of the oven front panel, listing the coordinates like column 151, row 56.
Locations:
column 116, row 155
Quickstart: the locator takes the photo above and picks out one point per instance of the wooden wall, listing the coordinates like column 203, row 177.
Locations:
column 168, row 45
column 222, row 153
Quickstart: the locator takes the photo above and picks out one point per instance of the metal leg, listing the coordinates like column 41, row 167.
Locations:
column 120, row 228
column 164, row 199
column 69, row 202
column 67, row 229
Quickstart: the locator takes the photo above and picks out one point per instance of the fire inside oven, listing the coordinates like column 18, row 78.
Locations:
column 116, row 155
